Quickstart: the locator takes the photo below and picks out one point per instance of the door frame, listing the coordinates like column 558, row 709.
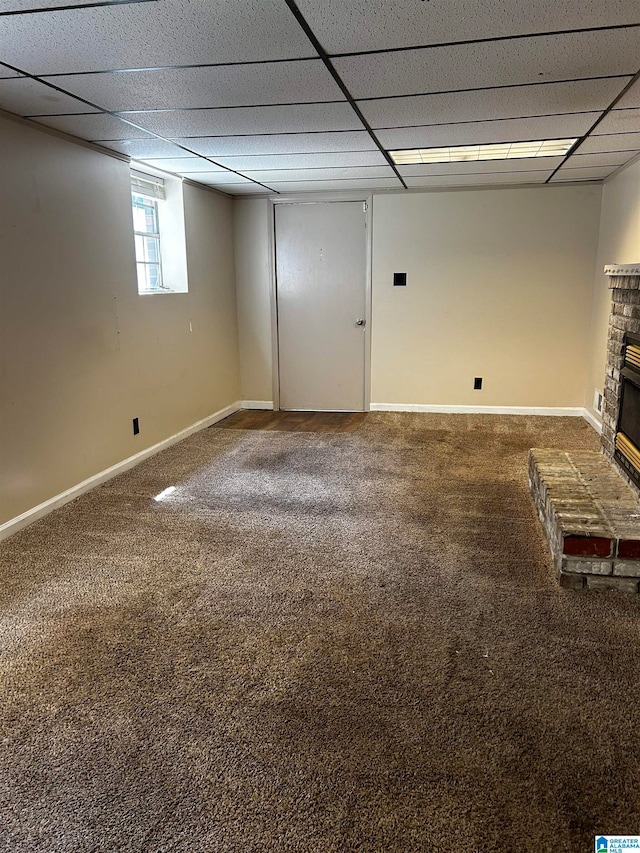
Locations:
column 320, row 198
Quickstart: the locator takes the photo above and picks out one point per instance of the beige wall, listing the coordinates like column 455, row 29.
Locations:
column 253, row 282
column 499, row 285
column 494, row 276
column 619, row 243
column 81, row 352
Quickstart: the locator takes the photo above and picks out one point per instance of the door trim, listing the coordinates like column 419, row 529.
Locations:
column 364, row 198
column 273, row 305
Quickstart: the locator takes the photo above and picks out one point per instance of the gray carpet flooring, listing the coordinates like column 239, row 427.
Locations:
column 317, row 642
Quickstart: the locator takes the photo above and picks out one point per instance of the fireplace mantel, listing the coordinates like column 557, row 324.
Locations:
column 627, row 273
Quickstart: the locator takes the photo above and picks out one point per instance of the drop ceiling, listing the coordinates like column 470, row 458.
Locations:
column 274, row 96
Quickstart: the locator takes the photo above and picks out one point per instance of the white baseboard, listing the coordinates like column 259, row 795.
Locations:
column 558, row 412
column 592, row 420
column 20, row 521
column 15, row 524
column 257, row 404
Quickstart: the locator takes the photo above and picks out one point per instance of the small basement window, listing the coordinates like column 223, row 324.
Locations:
column 158, row 229
column 147, row 236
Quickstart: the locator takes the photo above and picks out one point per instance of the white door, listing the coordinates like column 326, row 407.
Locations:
column 321, row 289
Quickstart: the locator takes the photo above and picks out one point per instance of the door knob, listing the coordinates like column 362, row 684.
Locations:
column 360, row 322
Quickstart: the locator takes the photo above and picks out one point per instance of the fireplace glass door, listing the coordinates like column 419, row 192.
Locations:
column 628, row 434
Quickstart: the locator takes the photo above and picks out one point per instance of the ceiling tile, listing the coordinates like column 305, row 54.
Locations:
column 27, row 5
column 94, row 127
column 585, row 96
column 579, row 174
column 7, row 73
column 611, row 142
column 215, row 177
column 144, row 148
column 243, row 189
column 298, row 117
column 24, row 96
column 509, row 130
column 233, row 187
column 631, row 99
column 332, row 186
column 182, row 164
column 526, row 164
column 619, row 121
column 302, row 161
column 469, row 66
column 612, row 158
column 281, row 143
column 281, row 175
column 380, row 24
column 146, row 35
column 227, row 86
column 479, row 179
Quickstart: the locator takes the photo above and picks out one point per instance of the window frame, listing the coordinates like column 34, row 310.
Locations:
column 155, row 236
column 163, row 193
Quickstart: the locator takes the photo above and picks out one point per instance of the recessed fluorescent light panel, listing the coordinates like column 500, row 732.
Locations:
column 498, row 151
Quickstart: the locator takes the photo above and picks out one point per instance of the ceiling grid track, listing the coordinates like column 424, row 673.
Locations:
column 133, row 124
column 329, row 66
column 599, row 121
column 490, row 39
column 96, row 5
column 120, row 113
column 255, row 98
column 186, row 67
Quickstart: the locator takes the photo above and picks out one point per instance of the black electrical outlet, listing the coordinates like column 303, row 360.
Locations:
column 477, row 383
column 399, row 279
column 136, row 426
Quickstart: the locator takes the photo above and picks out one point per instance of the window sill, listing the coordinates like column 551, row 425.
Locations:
column 163, row 292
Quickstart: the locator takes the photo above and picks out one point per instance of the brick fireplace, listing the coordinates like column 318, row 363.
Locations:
column 589, row 503
column 620, row 428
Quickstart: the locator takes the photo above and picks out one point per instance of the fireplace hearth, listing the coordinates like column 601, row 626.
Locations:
column 590, row 515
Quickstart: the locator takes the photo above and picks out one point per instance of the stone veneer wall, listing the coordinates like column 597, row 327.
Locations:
column 625, row 317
